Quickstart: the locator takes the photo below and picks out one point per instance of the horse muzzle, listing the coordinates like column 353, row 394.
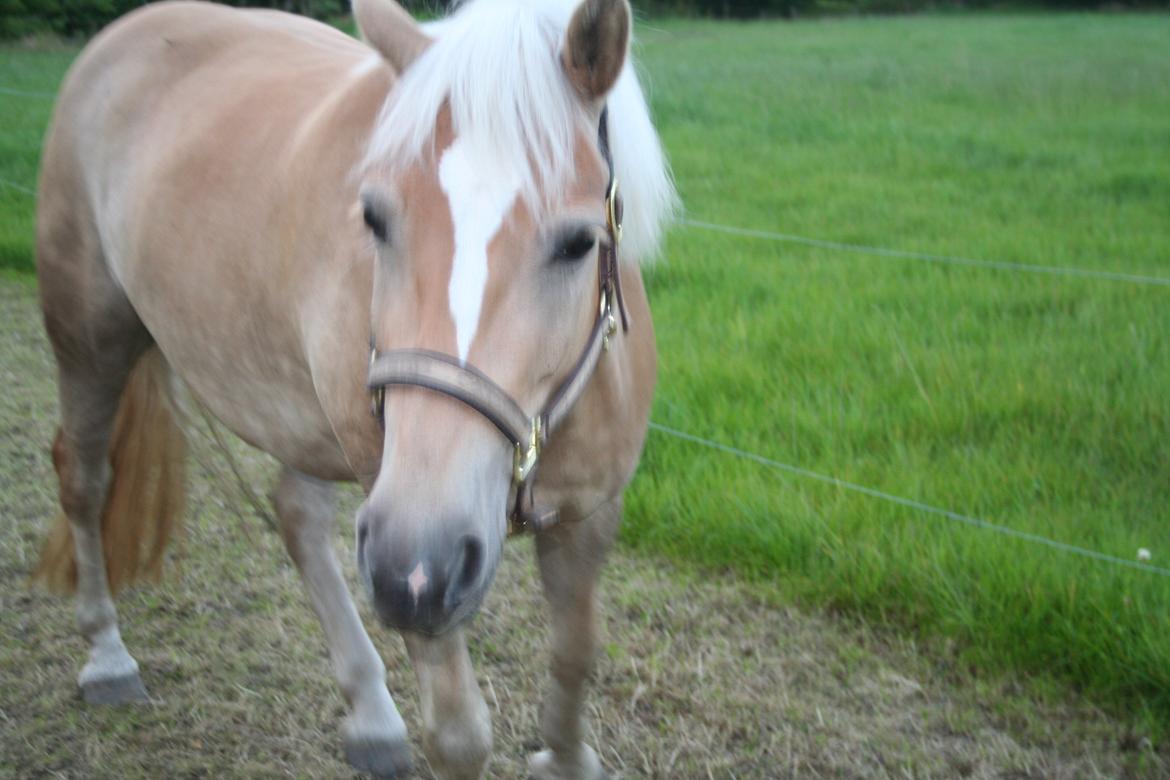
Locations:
column 429, row 582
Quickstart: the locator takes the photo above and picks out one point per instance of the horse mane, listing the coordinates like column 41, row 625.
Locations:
column 496, row 64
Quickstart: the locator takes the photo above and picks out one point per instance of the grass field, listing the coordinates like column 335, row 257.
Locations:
column 27, row 75
column 1038, row 402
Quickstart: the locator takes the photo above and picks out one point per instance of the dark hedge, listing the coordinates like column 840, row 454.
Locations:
column 83, row 17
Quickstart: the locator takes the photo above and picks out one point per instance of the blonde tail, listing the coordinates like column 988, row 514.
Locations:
column 147, row 491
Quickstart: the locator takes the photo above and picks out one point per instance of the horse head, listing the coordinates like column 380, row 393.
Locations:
column 485, row 196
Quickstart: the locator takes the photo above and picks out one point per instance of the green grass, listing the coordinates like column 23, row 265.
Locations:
column 35, row 70
column 1033, row 401
column 1038, row 402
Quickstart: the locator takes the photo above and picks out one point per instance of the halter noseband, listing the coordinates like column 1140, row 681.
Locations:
column 446, row 374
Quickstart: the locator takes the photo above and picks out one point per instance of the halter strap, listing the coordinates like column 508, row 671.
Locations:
column 442, row 373
column 614, row 211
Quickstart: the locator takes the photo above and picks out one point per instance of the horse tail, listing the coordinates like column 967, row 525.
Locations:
column 147, row 491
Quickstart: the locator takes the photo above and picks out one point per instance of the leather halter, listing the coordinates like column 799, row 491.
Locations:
column 448, row 375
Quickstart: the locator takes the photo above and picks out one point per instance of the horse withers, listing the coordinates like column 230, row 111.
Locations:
column 249, row 205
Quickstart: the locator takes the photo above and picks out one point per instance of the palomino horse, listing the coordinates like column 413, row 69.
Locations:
column 243, row 203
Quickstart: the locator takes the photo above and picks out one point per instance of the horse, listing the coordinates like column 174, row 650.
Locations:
column 372, row 259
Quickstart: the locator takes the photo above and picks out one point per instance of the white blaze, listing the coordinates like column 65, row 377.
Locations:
column 480, row 193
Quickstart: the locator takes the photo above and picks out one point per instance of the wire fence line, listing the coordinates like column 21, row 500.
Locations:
column 1051, row 270
column 901, row 254
column 27, row 93
column 841, row 246
column 18, row 187
column 909, row 502
column 845, row 484
column 863, row 489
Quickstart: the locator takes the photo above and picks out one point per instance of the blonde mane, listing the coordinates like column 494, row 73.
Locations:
column 496, row 64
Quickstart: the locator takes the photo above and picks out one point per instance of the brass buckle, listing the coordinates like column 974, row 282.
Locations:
column 606, row 311
column 612, row 219
column 378, row 395
column 524, row 456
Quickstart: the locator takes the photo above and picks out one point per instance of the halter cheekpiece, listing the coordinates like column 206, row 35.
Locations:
column 446, row 374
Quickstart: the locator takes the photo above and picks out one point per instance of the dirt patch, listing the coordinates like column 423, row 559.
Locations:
column 700, row 675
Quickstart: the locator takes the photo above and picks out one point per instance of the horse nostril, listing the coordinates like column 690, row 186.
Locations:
column 363, row 532
column 472, row 562
column 464, row 573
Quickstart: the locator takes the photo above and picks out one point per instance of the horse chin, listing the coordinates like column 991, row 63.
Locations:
column 459, row 618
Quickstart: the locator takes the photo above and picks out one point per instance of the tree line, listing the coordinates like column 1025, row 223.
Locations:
column 72, row 18
column 83, row 17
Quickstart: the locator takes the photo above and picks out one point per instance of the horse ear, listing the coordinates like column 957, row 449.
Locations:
column 596, row 45
column 387, row 27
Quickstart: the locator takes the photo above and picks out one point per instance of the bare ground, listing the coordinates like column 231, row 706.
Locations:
column 701, row 675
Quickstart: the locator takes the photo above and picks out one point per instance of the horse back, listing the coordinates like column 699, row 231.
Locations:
column 205, row 155
column 196, row 77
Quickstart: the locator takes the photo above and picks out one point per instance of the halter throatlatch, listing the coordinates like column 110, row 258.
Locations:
column 446, row 374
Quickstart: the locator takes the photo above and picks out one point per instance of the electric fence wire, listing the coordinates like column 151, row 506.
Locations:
column 862, row 489
column 926, row 257
column 908, row 502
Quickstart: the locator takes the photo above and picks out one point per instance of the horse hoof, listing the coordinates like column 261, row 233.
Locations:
column 124, row 689
column 379, row 757
column 546, row 766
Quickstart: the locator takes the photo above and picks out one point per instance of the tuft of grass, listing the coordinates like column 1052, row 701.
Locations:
column 1034, row 401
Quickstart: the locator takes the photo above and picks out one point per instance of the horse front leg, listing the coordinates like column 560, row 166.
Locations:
column 374, row 732
column 570, row 557
column 457, row 729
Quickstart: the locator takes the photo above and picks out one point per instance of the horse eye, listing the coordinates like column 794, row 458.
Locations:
column 575, row 246
column 375, row 221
